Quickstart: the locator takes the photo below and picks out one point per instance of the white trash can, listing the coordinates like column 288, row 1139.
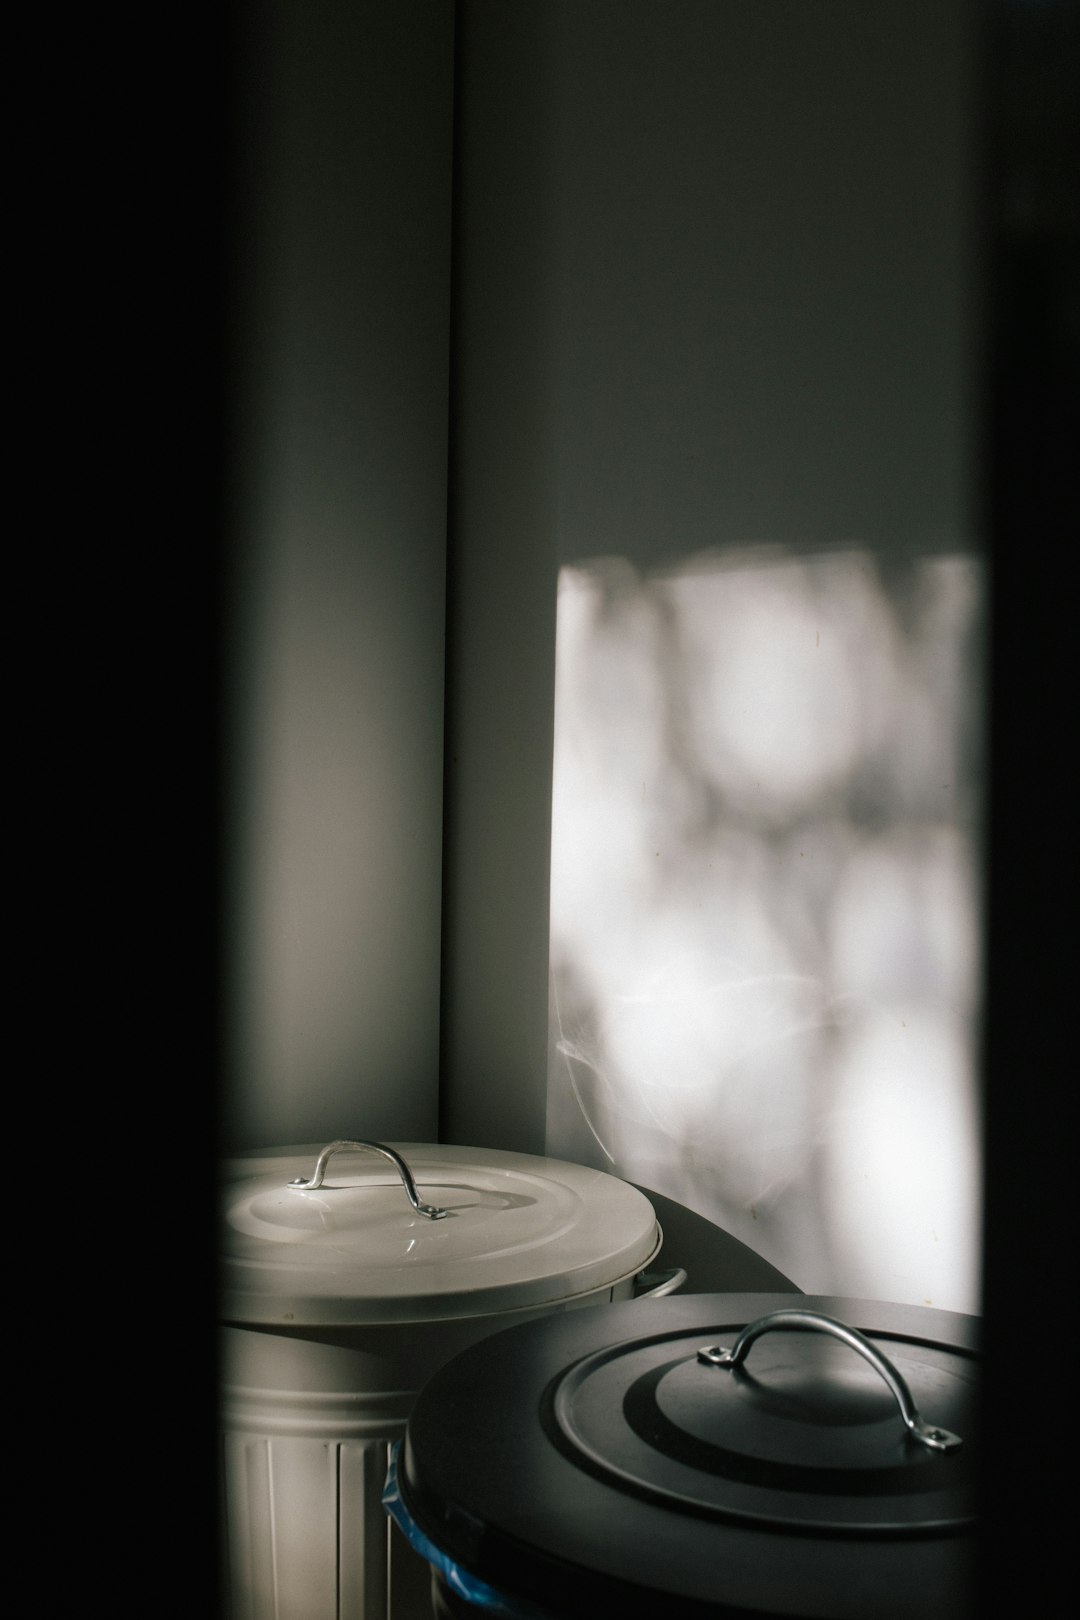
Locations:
column 349, row 1275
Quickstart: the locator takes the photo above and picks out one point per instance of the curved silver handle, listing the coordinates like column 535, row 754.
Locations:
column 667, row 1283
column 300, row 1185
column 927, row 1434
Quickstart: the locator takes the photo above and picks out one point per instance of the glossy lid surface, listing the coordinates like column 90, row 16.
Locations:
column 519, row 1231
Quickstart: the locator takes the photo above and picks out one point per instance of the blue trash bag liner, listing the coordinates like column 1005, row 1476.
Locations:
column 467, row 1586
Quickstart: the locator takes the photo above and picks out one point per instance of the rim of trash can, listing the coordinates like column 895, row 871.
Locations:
column 519, row 1230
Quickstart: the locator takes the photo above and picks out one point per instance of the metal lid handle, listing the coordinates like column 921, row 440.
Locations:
column 927, row 1434
column 656, row 1284
column 300, row 1185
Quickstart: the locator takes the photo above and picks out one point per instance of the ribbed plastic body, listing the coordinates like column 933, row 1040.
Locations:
column 307, row 1420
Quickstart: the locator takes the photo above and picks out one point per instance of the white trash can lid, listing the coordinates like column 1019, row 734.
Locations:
column 504, row 1231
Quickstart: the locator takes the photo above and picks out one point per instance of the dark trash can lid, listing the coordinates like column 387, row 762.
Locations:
column 614, row 1458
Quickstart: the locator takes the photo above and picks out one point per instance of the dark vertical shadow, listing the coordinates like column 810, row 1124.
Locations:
column 1032, row 231
column 501, row 579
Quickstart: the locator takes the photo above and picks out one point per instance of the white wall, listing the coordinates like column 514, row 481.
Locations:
column 336, row 583
column 765, row 905
column 715, row 286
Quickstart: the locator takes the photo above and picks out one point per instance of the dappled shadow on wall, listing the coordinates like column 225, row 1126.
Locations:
column 765, row 905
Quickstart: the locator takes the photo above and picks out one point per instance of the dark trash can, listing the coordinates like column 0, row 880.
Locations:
column 715, row 1456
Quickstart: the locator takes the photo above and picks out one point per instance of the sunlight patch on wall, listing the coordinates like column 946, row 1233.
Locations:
column 765, row 906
